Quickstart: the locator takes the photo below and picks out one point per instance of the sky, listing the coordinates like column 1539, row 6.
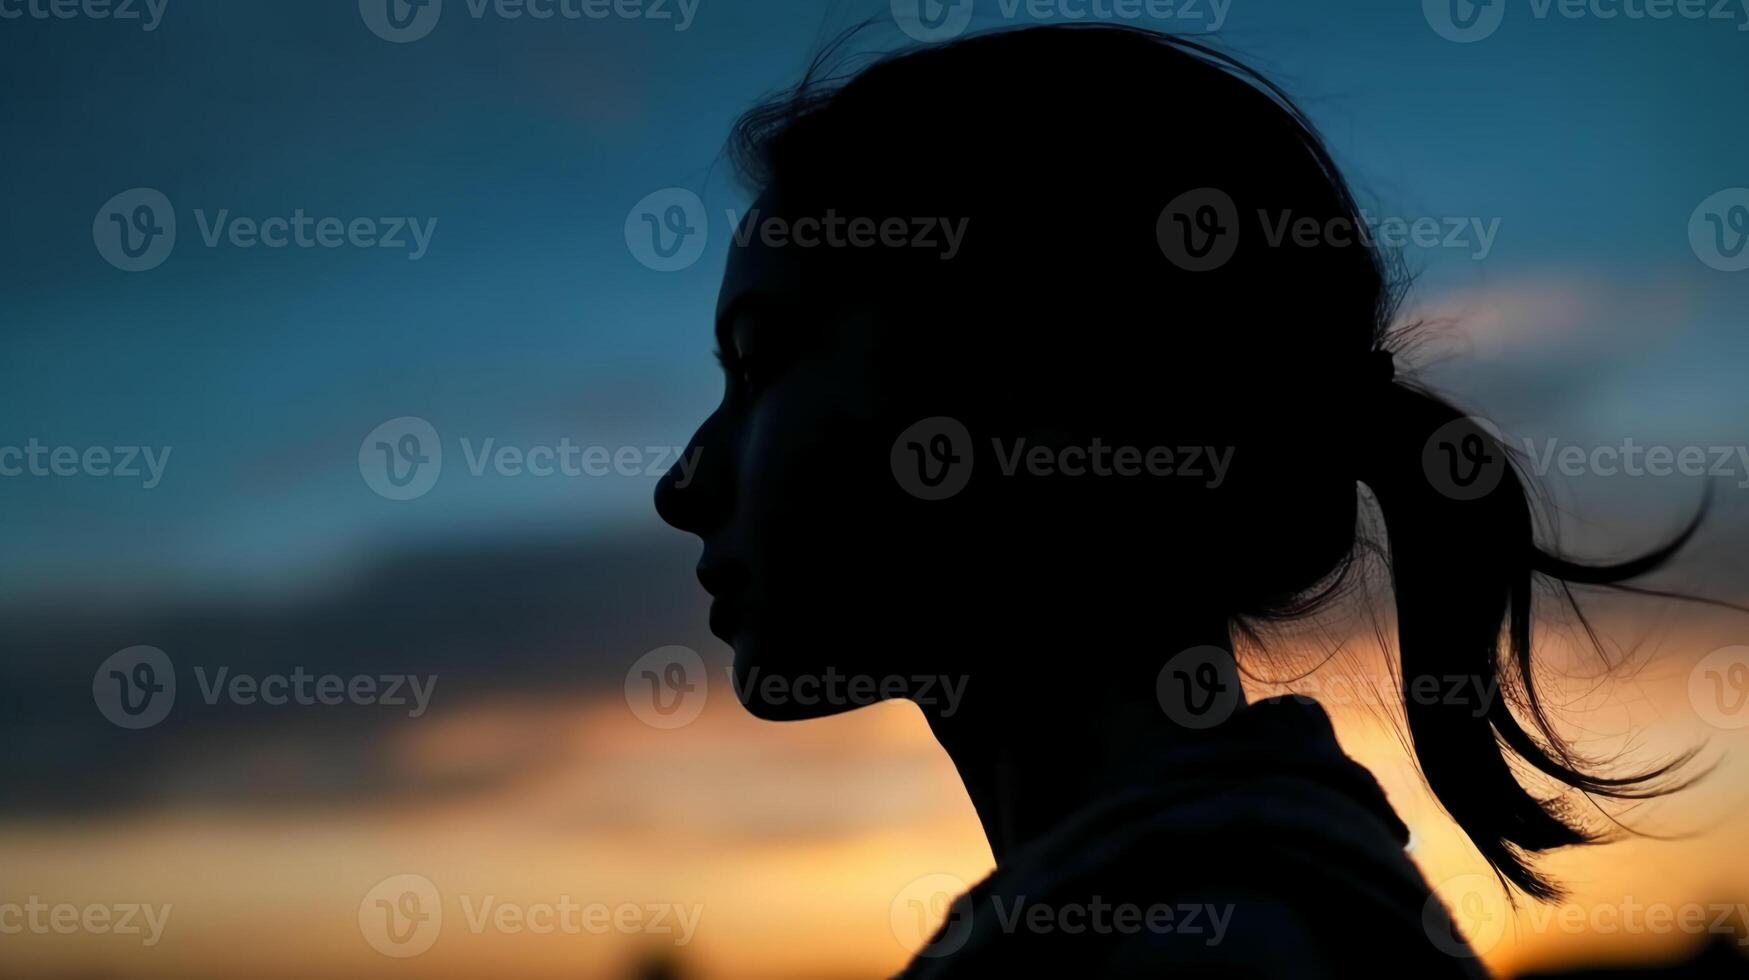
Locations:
column 1564, row 159
column 1584, row 144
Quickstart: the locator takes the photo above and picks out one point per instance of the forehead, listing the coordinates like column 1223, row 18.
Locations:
column 755, row 269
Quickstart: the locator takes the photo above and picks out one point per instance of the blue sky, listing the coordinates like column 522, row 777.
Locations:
column 1589, row 141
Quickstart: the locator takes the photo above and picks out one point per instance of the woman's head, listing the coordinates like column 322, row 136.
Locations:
column 942, row 236
column 1068, row 332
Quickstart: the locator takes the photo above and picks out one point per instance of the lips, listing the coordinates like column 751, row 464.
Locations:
column 727, row 584
column 726, row 614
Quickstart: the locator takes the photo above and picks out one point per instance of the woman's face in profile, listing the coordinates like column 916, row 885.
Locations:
column 812, row 557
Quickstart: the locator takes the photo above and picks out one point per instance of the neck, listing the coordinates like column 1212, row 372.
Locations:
column 1032, row 751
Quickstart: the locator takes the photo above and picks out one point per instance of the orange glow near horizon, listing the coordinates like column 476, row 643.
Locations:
column 790, row 841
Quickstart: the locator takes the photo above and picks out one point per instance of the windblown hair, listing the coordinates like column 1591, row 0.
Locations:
column 1063, row 146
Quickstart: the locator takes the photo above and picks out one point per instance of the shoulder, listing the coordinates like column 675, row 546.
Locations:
column 1226, row 934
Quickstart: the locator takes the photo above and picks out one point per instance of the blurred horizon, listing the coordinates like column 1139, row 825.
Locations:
column 1576, row 311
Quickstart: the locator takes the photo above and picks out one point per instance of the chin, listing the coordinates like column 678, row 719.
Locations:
column 773, row 687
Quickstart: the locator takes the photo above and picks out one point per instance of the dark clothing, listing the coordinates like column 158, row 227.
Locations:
column 1257, row 849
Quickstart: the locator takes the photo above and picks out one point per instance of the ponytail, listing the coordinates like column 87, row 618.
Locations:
column 1462, row 557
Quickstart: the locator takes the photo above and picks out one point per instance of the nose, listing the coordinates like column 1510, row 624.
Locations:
column 696, row 494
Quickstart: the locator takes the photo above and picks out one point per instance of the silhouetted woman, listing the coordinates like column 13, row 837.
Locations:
column 1067, row 456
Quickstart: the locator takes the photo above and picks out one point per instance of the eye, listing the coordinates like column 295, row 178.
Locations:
column 743, row 374
column 756, row 359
